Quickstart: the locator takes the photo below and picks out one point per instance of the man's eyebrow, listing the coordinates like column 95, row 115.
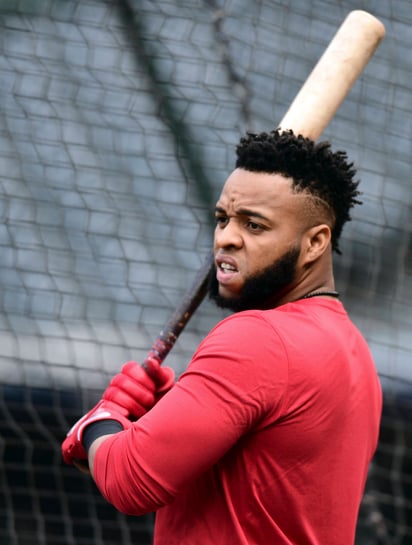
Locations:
column 252, row 213
column 243, row 212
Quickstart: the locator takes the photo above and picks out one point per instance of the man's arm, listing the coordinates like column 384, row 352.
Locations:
column 229, row 386
column 92, row 451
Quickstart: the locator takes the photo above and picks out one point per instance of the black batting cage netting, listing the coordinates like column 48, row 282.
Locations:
column 118, row 123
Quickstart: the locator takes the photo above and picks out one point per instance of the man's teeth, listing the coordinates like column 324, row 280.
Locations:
column 227, row 267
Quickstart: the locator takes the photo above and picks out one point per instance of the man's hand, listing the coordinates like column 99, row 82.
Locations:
column 130, row 394
column 136, row 392
column 73, row 451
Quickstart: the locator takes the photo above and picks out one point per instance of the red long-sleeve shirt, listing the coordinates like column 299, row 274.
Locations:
column 266, row 438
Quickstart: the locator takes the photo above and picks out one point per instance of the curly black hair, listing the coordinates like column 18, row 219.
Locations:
column 313, row 168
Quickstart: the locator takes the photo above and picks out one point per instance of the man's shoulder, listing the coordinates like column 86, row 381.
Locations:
column 244, row 318
column 288, row 319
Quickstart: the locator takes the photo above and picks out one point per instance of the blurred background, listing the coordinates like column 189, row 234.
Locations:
column 118, row 122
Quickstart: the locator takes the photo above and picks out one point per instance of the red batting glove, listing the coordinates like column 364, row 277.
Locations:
column 135, row 391
column 73, row 450
column 130, row 394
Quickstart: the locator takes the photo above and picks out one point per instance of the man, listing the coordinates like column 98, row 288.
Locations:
column 267, row 437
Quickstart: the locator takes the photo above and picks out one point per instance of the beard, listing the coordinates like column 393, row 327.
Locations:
column 261, row 289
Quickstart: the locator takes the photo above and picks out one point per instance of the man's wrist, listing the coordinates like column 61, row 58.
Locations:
column 97, row 429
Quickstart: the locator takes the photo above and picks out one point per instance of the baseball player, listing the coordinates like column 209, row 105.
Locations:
column 266, row 438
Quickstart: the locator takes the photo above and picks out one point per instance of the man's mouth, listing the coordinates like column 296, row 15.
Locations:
column 227, row 267
column 227, row 270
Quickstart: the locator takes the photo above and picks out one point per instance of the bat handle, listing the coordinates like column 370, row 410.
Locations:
column 192, row 298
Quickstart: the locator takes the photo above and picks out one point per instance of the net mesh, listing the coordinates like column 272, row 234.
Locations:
column 118, row 122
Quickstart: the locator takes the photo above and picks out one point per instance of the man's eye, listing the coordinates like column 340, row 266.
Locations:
column 221, row 220
column 252, row 226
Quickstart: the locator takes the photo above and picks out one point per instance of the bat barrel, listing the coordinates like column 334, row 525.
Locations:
column 334, row 74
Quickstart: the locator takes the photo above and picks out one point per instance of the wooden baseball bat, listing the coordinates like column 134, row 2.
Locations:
column 311, row 111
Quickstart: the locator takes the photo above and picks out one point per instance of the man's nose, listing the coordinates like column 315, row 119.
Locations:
column 229, row 235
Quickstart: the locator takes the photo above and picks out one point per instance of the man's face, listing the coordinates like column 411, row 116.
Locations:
column 257, row 240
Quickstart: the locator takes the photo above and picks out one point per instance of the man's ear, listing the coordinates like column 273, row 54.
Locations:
column 315, row 242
